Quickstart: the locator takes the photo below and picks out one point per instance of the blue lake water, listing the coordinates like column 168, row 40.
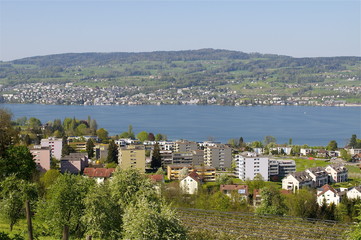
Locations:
column 305, row 125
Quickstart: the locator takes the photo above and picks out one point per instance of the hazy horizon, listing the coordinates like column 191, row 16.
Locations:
column 293, row 28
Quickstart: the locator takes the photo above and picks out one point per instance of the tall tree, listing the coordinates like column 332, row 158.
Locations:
column 142, row 136
column 353, row 141
column 19, row 161
column 103, row 216
column 332, row 145
column 14, row 192
column 269, row 139
column 102, row 134
column 8, row 134
column 156, row 161
column 272, row 202
column 130, row 132
column 64, row 205
column 151, row 220
column 151, row 137
column 90, row 148
column 112, row 152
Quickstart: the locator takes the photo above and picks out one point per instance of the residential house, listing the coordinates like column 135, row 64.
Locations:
column 337, row 173
column 42, row 156
column 235, row 191
column 74, row 163
column 319, row 176
column 354, row 193
column 327, row 194
column 191, row 183
column 100, row 174
column 356, row 157
column 295, row 181
column 257, row 197
column 132, row 156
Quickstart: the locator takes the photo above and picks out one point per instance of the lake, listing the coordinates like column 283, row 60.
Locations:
column 314, row 126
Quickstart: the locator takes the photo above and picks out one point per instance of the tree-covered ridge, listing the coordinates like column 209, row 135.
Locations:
column 176, row 68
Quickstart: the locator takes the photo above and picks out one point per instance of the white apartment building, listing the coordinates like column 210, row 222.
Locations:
column 54, row 144
column 219, row 156
column 249, row 167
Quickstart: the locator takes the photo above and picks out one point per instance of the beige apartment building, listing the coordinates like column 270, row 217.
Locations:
column 219, row 156
column 132, row 156
column 185, row 146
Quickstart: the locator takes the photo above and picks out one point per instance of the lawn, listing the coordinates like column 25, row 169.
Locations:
column 302, row 164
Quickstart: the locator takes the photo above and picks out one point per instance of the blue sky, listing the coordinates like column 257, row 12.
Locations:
column 294, row 28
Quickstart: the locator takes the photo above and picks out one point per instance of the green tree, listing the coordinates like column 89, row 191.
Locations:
column 8, row 134
column 66, row 149
column 128, row 185
column 19, row 161
column 146, row 219
column 102, row 134
column 90, row 148
column 272, row 202
column 49, row 177
column 223, row 178
column 160, row 137
column 112, row 152
column 64, row 205
column 142, row 136
column 269, row 139
column 156, row 161
column 345, row 155
column 332, row 145
column 14, row 193
column 34, row 123
column 353, row 141
column 302, row 204
column 102, row 215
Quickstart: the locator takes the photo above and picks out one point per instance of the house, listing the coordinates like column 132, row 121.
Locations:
column 356, row 157
column 354, row 193
column 257, row 197
column 157, row 178
column 42, row 156
column 327, row 194
column 306, row 151
column 233, row 191
column 100, row 174
column 190, row 184
column 74, row 163
column 297, row 180
column 337, row 173
column 319, row 176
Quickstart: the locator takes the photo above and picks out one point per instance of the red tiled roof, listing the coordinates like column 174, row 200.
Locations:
column 195, row 176
column 156, row 177
column 98, row 172
column 325, row 188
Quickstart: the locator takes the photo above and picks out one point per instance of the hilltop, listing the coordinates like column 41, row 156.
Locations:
column 224, row 75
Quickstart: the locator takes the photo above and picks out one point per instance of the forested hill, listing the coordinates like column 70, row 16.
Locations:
column 250, row 75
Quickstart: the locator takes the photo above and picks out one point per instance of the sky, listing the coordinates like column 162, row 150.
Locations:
column 317, row 28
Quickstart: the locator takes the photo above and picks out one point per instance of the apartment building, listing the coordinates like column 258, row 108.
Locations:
column 132, row 156
column 249, row 167
column 219, row 156
column 42, row 157
column 185, row 146
column 55, row 145
column 206, row 173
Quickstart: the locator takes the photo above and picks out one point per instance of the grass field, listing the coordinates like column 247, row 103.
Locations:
column 302, row 164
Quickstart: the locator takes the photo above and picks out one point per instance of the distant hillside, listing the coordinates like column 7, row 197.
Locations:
column 246, row 74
